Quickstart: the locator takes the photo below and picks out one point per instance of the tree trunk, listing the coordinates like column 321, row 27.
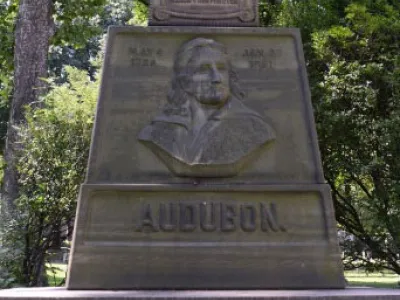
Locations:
column 33, row 30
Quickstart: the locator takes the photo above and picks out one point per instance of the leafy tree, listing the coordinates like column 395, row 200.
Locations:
column 51, row 163
column 8, row 12
column 309, row 16
column 269, row 11
column 140, row 14
column 356, row 95
column 114, row 12
column 46, row 200
column 32, row 33
column 352, row 53
column 40, row 23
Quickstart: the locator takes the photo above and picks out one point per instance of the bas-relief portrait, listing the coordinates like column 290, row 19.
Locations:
column 205, row 129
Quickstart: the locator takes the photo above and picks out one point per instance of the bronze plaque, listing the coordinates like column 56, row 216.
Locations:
column 204, row 170
column 204, row 12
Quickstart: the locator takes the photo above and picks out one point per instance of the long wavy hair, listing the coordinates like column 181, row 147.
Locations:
column 177, row 97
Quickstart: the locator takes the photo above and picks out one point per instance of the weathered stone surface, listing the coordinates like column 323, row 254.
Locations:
column 138, row 78
column 205, row 237
column 205, row 130
column 62, row 293
column 204, row 12
column 204, row 171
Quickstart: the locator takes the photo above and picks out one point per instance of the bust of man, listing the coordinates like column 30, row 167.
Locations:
column 205, row 130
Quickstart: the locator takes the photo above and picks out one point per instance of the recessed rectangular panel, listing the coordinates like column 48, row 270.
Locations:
column 157, row 237
column 264, row 132
column 174, row 219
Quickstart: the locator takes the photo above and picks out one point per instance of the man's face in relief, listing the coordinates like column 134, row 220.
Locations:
column 210, row 77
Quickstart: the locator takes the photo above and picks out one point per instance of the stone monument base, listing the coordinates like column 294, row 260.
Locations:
column 202, row 237
column 63, row 293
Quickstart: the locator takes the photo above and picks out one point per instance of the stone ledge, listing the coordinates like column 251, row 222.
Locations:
column 63, row 293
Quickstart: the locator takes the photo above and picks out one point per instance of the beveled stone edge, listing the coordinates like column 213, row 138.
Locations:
column 209, row 23
column 223, row 187
column 295, row 32
column 63, row 293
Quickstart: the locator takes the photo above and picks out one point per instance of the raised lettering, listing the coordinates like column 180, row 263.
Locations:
column 269, row 218
column 253, row 53
column 260, row 64
column 208, row 217
column 133, row 51
column 146, row 219
column 135, row 61
column 139, row 62
column 228, row 214
column 248, row 217
column 187, row 217
column 168, row 217
column 144, row 57
column 260, row 59
column 146, row 52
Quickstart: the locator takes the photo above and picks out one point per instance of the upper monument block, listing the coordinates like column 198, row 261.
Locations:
column 204, row 12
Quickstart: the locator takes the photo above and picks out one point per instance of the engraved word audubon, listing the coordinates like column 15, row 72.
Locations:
column 209, row 217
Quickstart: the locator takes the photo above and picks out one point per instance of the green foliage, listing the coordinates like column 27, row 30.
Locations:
column 140, row 13
column 114, row 12
column 309, row 16
column 268, row 12
column 117, row 12
column 6, row 278
column 8, row 12
column 353, row 57
column 360, row 278
column 51, row 163
column 56, row 274
column 352, row 53
column 76, row 21
column 49, row 175
column 356, row 76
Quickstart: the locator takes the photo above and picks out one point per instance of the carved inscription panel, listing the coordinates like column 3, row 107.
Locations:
column 261, row 59
column 204, row 217
column 145, row 129
column 204, row 12
column 187, row 236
